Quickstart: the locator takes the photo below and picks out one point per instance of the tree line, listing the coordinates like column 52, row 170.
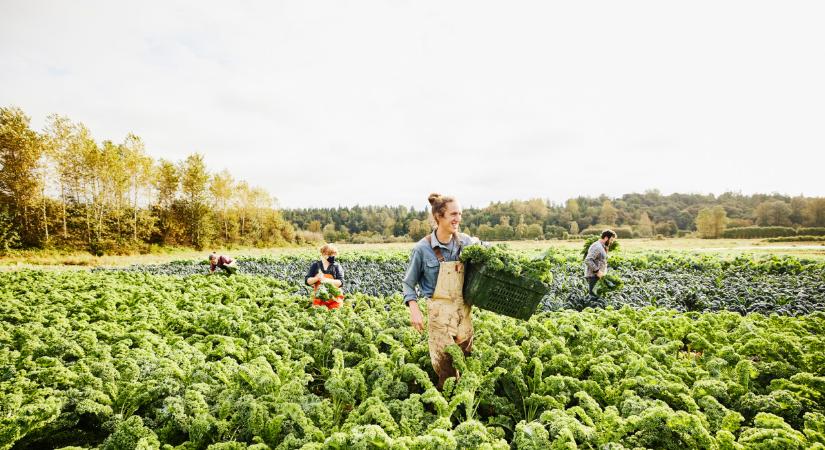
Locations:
column 60, row 188
column 647, row 214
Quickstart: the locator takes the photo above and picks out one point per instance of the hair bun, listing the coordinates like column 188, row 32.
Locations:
column 433, row 197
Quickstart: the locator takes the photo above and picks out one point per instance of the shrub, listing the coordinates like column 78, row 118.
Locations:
column 757, row 232
column 554, row 232
column 817, row 231
column 797, row 239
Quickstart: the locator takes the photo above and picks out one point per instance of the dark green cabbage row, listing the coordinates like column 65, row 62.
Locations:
column 782, row 285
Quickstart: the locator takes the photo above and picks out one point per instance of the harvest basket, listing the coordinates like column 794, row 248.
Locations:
column 502, row 293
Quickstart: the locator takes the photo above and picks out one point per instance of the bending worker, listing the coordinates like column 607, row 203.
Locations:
column 434, row 267
column 225, row 263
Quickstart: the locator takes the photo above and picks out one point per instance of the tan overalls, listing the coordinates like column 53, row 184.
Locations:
column 450, row 320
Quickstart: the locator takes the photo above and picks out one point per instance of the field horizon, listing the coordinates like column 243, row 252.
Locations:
column 726, row 248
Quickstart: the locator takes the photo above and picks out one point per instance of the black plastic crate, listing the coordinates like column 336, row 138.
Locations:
column 502, row 293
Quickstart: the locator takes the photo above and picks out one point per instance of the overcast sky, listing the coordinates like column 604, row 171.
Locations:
column 327, row 103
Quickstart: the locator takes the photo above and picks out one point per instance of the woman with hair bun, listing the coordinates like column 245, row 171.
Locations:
column 435, row 268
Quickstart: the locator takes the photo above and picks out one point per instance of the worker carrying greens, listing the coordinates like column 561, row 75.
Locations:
column 435, row 268
column 595, row 262
column 326, row 272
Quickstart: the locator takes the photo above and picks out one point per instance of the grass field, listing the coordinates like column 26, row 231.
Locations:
column 720, row 247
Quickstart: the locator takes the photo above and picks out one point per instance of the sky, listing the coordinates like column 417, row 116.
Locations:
column 338, row 103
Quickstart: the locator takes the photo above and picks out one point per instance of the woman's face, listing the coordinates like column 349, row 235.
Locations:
column 451, row 219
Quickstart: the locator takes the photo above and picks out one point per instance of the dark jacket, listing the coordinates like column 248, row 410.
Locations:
column 334, row 269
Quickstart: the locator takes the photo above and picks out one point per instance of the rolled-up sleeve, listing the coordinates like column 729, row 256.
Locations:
column 412, row 276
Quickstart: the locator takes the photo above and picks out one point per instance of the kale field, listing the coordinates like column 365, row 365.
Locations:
column 693, row 352
column 783, row 285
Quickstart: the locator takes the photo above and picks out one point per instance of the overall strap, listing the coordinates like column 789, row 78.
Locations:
column 436, row 250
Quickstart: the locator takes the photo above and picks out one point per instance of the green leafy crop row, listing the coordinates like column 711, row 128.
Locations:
column 781, row 285
column 131, row 360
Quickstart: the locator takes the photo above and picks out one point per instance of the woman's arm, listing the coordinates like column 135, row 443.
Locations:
column 310, row 277
column 338, row 281
column 412, row 276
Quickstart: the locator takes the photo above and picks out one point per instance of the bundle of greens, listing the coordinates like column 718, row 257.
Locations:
column 589, row 241
column 608, row 283
column 503, row 259
column 327, row 292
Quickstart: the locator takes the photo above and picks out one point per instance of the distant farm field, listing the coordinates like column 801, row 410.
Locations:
column 719, row 247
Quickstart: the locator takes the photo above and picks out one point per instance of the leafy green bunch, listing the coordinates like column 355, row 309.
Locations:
column 327, row 292
column 608, row 283
column 501, row 258
column 589, row 241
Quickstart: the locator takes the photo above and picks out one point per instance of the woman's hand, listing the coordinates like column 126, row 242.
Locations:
column 416, row 318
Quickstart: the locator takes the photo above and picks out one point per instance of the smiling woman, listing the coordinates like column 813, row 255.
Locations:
column 435, row 268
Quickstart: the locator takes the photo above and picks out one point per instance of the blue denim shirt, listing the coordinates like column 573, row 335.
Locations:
column 424, row 265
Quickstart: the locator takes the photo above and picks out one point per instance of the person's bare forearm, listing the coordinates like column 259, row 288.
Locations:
column 416, row 318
